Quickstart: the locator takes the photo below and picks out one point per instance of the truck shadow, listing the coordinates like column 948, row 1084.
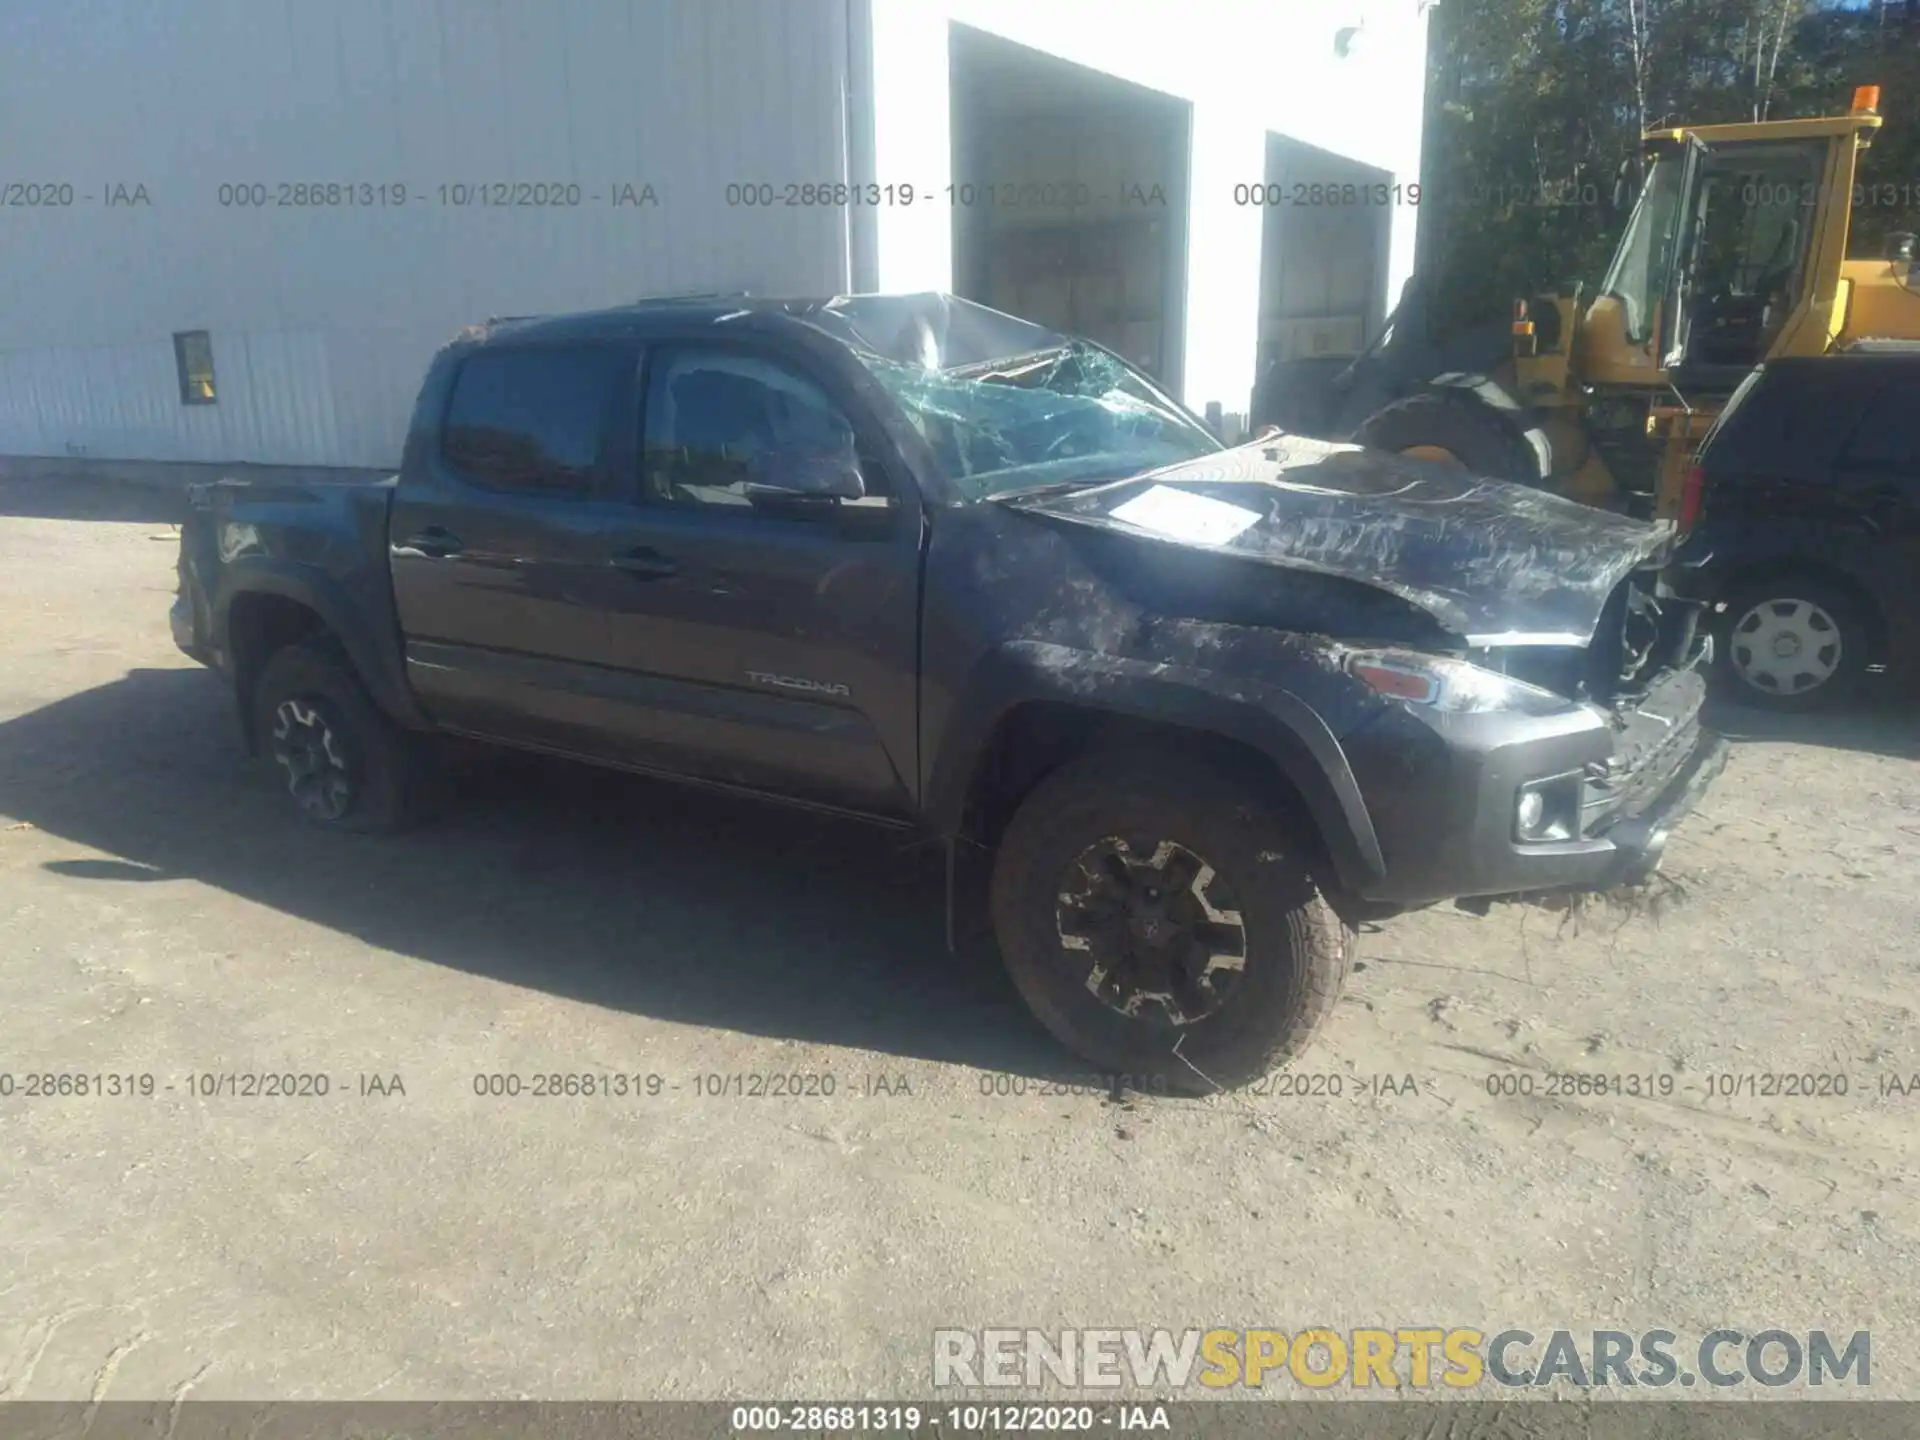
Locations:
column 611, row 889
column 1884, row 720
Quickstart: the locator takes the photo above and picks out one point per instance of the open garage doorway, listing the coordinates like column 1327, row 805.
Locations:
column 1326, row 240
column 1070, row 198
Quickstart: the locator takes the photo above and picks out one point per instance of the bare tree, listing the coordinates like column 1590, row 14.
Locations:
column 1763, row 88
column 1637, row 37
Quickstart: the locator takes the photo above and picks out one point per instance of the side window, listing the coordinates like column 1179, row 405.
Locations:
column 1815, row 422
column 532, row 419
column 718, row 419
column 1888, row 437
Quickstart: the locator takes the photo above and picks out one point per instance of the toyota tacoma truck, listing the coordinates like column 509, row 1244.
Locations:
column 1197, row 712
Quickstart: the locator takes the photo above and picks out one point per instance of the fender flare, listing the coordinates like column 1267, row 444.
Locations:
column 1270, row 720
column 379, row 663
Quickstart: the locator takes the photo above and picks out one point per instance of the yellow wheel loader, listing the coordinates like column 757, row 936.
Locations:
column 1735, row 254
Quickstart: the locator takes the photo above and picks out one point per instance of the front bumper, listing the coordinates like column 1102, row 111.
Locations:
column 1639, row 842
column 1442, row 794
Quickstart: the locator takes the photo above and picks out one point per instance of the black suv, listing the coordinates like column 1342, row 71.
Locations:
column 918, row 562
column 1804, row 515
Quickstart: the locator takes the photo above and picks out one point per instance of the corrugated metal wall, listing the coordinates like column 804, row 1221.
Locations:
column 1323, row 267
column 322, row 316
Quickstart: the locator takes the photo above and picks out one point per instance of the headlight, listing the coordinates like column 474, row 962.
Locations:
column 1440, row 683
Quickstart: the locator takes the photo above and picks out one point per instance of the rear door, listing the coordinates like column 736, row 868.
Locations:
column 499, row 543
column 766, row 645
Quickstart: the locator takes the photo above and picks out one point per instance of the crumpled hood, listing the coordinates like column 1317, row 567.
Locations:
column 1492, row 562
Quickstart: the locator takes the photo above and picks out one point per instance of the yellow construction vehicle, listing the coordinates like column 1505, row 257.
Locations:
column 1735, row 253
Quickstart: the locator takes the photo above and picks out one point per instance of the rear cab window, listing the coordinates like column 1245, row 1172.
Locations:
column 535, row 419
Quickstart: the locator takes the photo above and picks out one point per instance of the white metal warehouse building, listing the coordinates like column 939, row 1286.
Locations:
column 305, row 199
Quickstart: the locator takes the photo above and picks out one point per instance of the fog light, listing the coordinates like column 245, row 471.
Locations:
column 1547, row 810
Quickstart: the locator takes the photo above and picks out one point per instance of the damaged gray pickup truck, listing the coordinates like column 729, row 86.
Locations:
column 1200, row 711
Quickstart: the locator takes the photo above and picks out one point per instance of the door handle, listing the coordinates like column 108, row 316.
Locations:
column 434, row 543
column 645, row 564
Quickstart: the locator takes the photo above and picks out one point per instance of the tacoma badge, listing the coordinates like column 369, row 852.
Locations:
column 794, row 682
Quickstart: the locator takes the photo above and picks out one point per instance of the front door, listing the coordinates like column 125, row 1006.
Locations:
column 1676, row 306
column 767, row 644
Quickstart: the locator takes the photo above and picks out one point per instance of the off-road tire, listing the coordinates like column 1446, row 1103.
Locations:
column 1839, row 607
column 1298, row 950
column 1484, row 443
column 391, row 775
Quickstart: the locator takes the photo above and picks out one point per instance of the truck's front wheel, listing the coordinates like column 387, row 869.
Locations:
column 1454, row 429
column 342, row 762
column 1165, row 924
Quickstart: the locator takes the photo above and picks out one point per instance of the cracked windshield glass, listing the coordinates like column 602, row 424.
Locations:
column 1071, row 415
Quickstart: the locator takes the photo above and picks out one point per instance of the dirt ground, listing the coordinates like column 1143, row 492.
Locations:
column 160, row 915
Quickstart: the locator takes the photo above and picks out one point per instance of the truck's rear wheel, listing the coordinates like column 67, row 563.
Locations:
column 343, row 763
column 1456, row 430
column 1791, row 643
column 1165, row 924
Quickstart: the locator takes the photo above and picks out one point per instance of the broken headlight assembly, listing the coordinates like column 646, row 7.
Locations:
column 1438, row 682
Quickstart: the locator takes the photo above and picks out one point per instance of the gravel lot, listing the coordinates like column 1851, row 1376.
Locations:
column 160, row 914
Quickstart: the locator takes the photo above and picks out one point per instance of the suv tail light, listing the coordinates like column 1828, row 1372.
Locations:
column 1691, row 496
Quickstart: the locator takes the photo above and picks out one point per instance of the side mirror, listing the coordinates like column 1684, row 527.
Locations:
column 804, row 478
column 1903, row 247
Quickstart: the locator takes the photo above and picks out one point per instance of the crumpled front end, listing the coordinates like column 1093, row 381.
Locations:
column 1580, row 792
column 1524, row 696
column 1493, row 564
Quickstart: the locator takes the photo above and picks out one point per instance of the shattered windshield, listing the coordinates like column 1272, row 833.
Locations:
column 1008, row 406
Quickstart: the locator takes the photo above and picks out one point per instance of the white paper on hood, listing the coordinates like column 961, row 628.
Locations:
column 1182, row 515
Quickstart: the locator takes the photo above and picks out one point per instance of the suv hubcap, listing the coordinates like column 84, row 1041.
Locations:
column 305, row 746
column 1786, row 647
column 1157, row 927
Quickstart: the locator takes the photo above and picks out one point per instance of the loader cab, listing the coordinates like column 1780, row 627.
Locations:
column 1748, row 216
column 1734, row 253
column 1716, row 256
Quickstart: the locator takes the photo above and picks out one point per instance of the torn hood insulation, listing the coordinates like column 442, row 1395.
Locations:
column 1494, row 563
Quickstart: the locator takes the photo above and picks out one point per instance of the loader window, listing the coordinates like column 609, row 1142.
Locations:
column 1640, row 266
column 1756, row 209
